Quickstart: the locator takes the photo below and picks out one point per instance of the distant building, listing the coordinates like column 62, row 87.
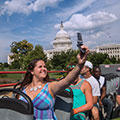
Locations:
column 111, row 50
column 61, row 42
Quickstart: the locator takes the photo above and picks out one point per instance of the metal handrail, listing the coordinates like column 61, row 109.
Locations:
column 23, row 72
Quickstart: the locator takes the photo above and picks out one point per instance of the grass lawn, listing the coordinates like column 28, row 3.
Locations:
column 116, row 119
column 13, row 78
column 10, row 78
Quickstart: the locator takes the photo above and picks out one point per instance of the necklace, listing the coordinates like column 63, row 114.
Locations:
column 35, row 88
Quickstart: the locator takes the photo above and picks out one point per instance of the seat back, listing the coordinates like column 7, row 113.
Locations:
column 116, row 113
column 15, row 109
column 63, row 105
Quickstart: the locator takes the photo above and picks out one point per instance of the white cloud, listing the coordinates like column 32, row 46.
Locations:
column 77, row 7
column 26, row 6
column 81, row 22
column 91, row 26
column 40, row 5
column 16, row 6
column 97, row 34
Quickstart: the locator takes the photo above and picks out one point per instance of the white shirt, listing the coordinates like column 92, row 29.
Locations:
column 102, row 81
column 95, row 86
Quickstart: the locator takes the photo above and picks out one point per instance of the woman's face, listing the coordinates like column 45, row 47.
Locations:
column 40, row 70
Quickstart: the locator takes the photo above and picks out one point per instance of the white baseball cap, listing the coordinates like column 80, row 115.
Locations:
column 89, row 64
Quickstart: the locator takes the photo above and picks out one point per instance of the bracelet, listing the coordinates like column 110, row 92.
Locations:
column 75, row 111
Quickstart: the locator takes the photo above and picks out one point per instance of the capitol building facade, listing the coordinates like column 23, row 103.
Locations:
column 61, row 43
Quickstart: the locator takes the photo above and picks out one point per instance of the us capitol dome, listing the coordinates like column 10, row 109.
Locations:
column 61, row 42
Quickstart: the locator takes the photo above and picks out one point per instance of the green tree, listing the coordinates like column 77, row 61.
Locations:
column 113, row 60
column 19, row 50
column 107, row 61
column 61, row 60
column 5, row 64
column 1, row 66
column 118, row 61
column 97, row 58
column 36, row 53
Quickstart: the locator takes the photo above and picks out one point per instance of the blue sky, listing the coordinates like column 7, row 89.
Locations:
column 38, row 21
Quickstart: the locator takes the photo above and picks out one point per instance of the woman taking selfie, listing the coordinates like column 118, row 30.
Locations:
column 37, row 86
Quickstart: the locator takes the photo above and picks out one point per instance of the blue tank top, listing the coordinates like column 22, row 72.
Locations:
column 43, row 105
column 79, row 99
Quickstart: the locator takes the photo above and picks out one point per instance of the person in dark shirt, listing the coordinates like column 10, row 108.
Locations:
column 103, row 101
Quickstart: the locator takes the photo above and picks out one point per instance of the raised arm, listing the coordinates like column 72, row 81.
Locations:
column 64, row 83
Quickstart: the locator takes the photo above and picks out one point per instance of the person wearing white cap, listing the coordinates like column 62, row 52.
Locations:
column 89, row 64
column 86, row 73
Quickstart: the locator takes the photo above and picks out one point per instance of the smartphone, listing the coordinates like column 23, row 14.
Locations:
column 80, row 43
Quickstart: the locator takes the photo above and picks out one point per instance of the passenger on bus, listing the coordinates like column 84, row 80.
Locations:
column 42, row 92
column 103, row 100
column 82, row 97
column 86, row 73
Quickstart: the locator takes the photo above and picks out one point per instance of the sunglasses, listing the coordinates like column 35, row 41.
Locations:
column 71, row 66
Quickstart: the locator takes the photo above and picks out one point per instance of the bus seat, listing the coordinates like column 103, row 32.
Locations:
column 15, row 109
column 63, row 105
